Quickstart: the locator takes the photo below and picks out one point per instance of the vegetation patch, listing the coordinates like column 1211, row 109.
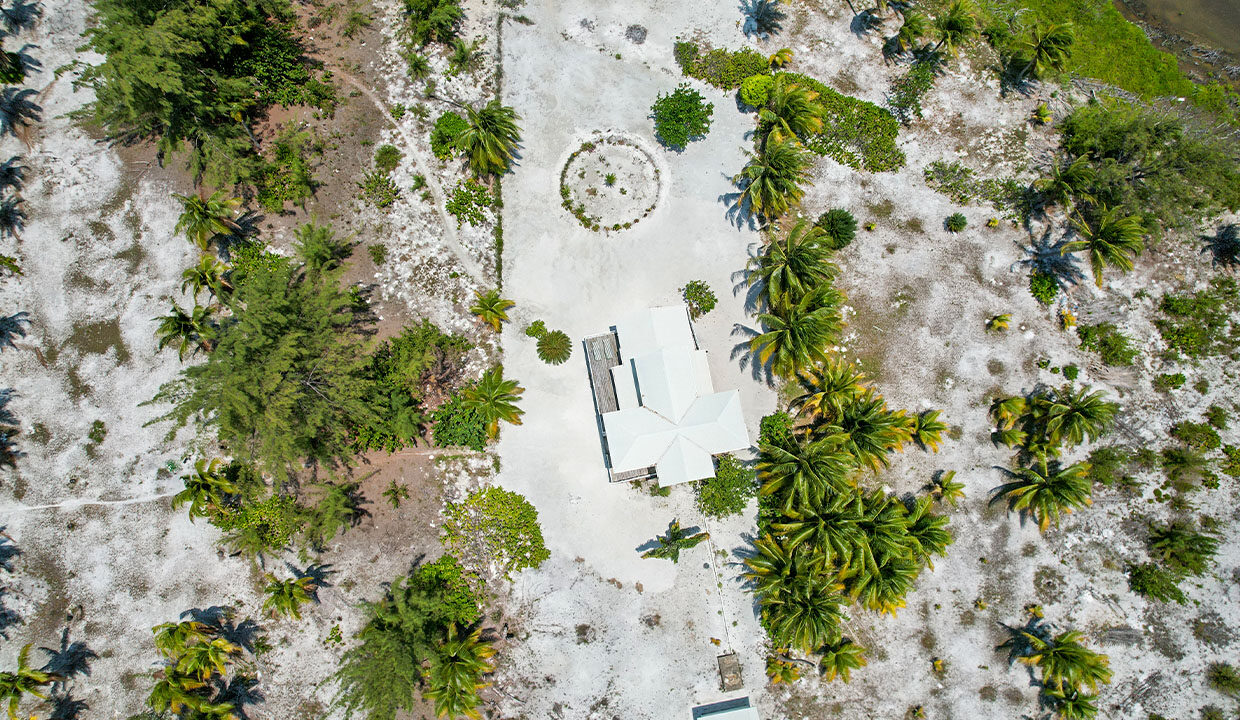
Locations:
column 855, row 133
column 724, row 69
column 1199, row 324
column 1113, row 346
column 680, row 117
column 469, row 201
column 495, row 528
column 729, row 491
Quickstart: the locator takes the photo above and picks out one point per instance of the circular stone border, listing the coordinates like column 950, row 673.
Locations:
column 578, row 209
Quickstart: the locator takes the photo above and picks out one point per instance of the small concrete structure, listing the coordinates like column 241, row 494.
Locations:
column 735, row 709
column 660, row 413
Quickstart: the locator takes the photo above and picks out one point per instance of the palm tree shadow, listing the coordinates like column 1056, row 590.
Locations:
column 745, row 357
column 242, row 690
column 742, row 281
column 1018, row 645
column 1223, row 246
column 763, row 18
column 8, row 617
column 13, row 175
column 740, row 214
column 1048, row 258
column 864, row 22
column 17, row 111
column 220, row 619
column 65, row 707
column 22, row 15
column 8, row 551
column 13, row 326
column 317, row 572
column 247, row 229
column 29, row 62
column 71, row 660
column 12, row 216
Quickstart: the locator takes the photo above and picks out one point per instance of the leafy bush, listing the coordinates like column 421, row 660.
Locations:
column 1199, row 324
column 855, row 133
column 1217, row 417
column 908, row 90
column 1071, row 372
column 448, row 127
column 536, row 329
column 1223, row 677
column 379, row 189
column 378, row 253
column 1182, row 549
column 776, row 429
column 1231, row 461
column 1197, row 436
column 287, row 177
column 956, row 222
column 265, row 526
column 1165, row 382
column 495, row 527
column 1113, row 346
column 721, row 68
column 468, row 200
column 699, row 297
column 1043, row 287
column 728, row 492
column 554, row 347
column 432, row 20
column 755, row 90
column 1149, row 580
column 458, row 424
column 838, row 226
column 681, row 117
column 387, row 158
column 1107, row 464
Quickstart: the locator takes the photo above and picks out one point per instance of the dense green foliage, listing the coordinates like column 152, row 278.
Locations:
column 1048, row 419
column 770, row 183
column 729, row 491
column 1152, row 581
column 956, row 222
column 381, row 674
column 193, row 74
column 1113, row 346
column 1196, row 436
column 855, row 133
column 495, row 527
column 286, row 379
column 431, row 21
column 379, row 189
column 448, row 128
column 838, row 227
column 458, row 424
column 1199, row 324
column 1043, row 287
column 722, row 68
column 699, row 298
column 1067, row 665
column 681, row 116
column 468, row 202
column 387, row 158
column 489, row 142
column 286, row 177
column 755, row 90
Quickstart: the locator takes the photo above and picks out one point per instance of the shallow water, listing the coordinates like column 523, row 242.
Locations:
column 1208, row 22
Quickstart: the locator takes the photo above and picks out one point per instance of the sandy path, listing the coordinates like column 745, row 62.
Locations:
column 75, row 504
column 411, row 148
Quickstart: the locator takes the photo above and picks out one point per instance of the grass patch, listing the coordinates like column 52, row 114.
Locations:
column 1198, row 324
column 1104, row 338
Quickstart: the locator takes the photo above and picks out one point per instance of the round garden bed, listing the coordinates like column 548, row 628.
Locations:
column 610, row 183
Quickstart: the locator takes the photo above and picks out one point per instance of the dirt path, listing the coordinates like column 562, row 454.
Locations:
column 411, row 149
column 75, row 504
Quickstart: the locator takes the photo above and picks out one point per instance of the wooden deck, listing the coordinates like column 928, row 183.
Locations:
column 602, row 354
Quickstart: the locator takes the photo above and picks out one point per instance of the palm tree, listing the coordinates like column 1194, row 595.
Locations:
column 956, row 26
column 1065, row 661
column 174, row 692
column 1071, row 704
column 171, row 639
column 673, row 542
column 1045, row 490
column 793, row 266
column 913, row 29
column 779, row 58
column 882, row 589
column 490, row 141
column 25, row 680
column 205, row 489
column 807, row 470
column 928, row 429
column 827, row 389
column 792, row 111
column 1110, row 240
column 202, row 219
column 495, row 399
column 1074, row 415
column 1048, row 46
column 285, row 597
column 190, row 332
column 799, row 335
column 945, row 488
column 771, row 181
column 455, row 675
column 927, row 531
column 807, row 614
column 209, row 274
column 1180, row 548
column 203, row 660
column 1067, row 180
column 773, row 568
column 491, row 308
column 869, row 431
column 840, row 658
column 1006, row 411
column 825, row 524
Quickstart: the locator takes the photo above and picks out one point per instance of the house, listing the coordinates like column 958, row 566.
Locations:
column 660, row 414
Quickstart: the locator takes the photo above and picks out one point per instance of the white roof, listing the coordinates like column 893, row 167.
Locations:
column 655, row 329
column 677, row 422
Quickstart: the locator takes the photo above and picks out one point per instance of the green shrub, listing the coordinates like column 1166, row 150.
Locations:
column 378, row 253
column 1166, row 382
column 699, row 297
column 855, row 133
column 1113, row 346
column 1197, row 436
column 956, row 222
column 536, row 329
column 387, row 158
column 1043, row 287
column 1223, row 677
column 448, row 127
column 838, row 226
column 756, row 89
column 1107, row 464
column 681, row 117
column 1217, row 417
column 495, row 527
column 286, row 177
column 467, row 202
column 1151, row 581
column 266, row 526
column 1198, row 324
column 721, row 68
column 1181, row 549
column 1071, row 372
column 456, row 424
column 729, row 491
column 776, row 429
column 379, row 189
column 1231, row 461
column 908, row 90
column 555, row 347
column 431, row 20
